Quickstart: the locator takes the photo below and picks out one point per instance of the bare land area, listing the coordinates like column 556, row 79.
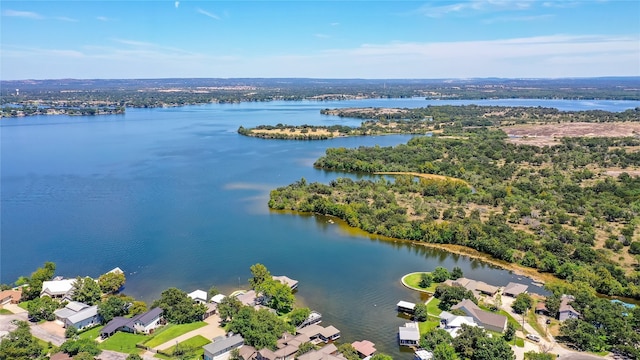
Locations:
column 550, row 134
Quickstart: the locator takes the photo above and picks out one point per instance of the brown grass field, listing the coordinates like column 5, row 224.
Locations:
column 549, row 134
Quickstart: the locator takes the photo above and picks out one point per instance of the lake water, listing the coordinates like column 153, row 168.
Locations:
column 175, row 197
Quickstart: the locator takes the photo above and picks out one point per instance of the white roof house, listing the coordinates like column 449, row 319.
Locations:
column 57, row 288
column 409, row 334
column 218, row 298
column 199, row 296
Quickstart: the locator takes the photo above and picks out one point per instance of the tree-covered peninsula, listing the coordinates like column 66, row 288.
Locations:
column 551, row 208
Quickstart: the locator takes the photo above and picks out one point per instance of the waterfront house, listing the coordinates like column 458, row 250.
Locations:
column 476, row 287
column 11, row 296
column 365, row 348
column 514, row 289
column 199, row 296
column 142, row 323
column 217, row 299
column 327, row 352
column 292, row 284
column 247, row 352
column 211, row 309
column 58, row 289
column 541, row 308
column 488, row 320
column 222, row 346
column 78, row 315
column 317, row 333
column 406, row 307
column 249, row 298
column 409, row 334
column 567, row 311
column 453, row 323
column 422, row 354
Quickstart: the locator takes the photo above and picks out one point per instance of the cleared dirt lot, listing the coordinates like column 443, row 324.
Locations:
column 549, row 134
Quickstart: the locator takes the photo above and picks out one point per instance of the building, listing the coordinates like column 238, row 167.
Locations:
column 327, row 352
column 211, row 309
column 78, row 315
column 365, row 348
column 142, row 323
column 313, row 318
column 422, row 354
column 217, row 298
column 292, row 284
column 247, row 352
column 566, row 311
column 514, row 289
column 11, row 296
column 249, row 298
column 489, row 321
column 199, row 296
column 453, row 323
column 409, row 334
column 318, row 334
column 541, row 308
column 406, row 307
column 476, row 287
column 222, row 346
column 58, row 289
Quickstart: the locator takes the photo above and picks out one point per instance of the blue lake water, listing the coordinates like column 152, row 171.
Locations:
column 176, row 197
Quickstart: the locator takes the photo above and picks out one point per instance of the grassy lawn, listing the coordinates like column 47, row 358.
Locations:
column 432, row 307
column 5, row 312
column 172, row 331
column 414, row 279
column 196, row 342
column 519, row 342
column 123, row 342
column 91, row 333
column 428, row 325
column 532, row 319
column 24, row 304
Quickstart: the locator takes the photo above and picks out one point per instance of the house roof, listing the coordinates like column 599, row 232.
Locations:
column 248, row 298
column 83, row 314
column 76, row 306
column 58, row 287
column 218, row 298
column 329, row 331
column 515, row 288
column 147, row 317
column 221, row 343
column 12, row 293
column 565, row 305
column 286, row 351
column 311, row 330
column 328, row 349
column 424, row 354
column 198, row 295
column 458, row 321
column 481, row 316
column 409, row 331
column 247, row 352
column 267, row 354
column 60, row 356
column 364, row 347
column 406, row 305
column 486, row 288
column 541, row 306
column 115, row 323
column 286, row 280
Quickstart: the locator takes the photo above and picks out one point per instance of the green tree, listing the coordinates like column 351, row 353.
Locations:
column 42, row 274
column 492, row 348
column 19, row 344
column 73, row 347
column 381, row 356
column 634, row 248
column 440, row 274
column 178, row 307
column 299, row 315
column 279, row 296
column 260, row 275
column 84, row 356
column 456, row 273
column 259, row 328
column 444, row 351
column 522, row 303
column 229, row 307
column 434, row 337
column 420, row 312
column 451, row 295
column 137, row 307
column 348, row 351
column 306, row 347
column 235, row 354
column 111, row 282
column 111, row 307
column 467, row 340
column 42, row 308
column 70, row 332
column 425, row 280
column 509, row 333
column 86, row 290
column 532, row 355
column 213, row 291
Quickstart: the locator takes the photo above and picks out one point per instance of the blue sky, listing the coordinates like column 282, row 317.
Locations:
column 319, row 39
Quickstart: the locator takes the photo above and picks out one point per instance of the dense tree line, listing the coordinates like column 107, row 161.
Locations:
column 542, row 207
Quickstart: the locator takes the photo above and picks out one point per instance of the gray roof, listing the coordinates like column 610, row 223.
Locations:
column 83, row 314
column 223, row 343
column 515, row 288
column 566, row 306
column 115, row 324
column 409, row 332
column 64, row 313
column 481, row 316
column 148, row 317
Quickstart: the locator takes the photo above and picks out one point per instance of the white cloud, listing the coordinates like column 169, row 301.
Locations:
column 104, row 18
column 334, row 24
column 177, row 4
column 474, row 6
column 502, row 19
column 206, row 13
column 67, row 19
column 22, row 14
column 322, row 36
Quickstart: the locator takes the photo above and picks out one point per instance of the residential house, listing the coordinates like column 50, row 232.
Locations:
column 317, row 333
column 365, row 348
column 541, row 308
column 514, row 289
column 78, row 315
column 567, row 311
column 453, row 323
column 11, row 296
column 249, row 298
column 409, row 334
column 60, row 356
column 58, row 289
column 476, row 287
column 313, row 318
column 217, row 299
column 248, row 352
column 422, row 354
column 292, row 284
column 488, row 320
column 199, row 296
column 406, row 307
column 142, row 323
column 327, row 352
column 211, row 309
column 222, row 346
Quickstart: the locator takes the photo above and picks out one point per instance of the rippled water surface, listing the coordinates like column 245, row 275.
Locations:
column 176, row 197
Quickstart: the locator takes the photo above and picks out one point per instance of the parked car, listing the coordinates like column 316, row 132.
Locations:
column 533, row 337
